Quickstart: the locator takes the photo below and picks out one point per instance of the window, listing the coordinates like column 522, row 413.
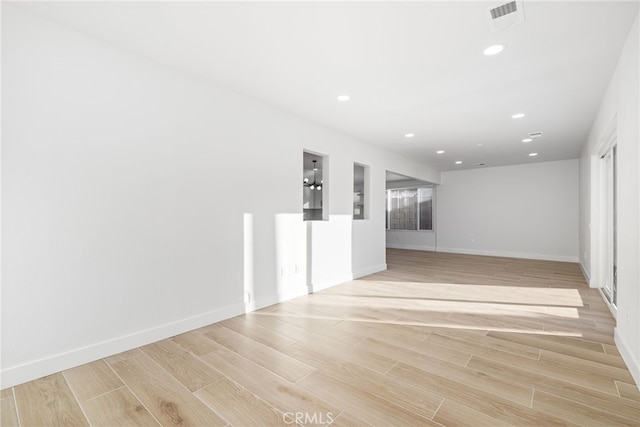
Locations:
column 410, row 209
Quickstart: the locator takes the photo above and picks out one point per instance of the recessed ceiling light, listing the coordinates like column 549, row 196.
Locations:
column 440, row 152
column 458, row 162
column 409, row 135
column 479, row 145
column 527, row 140
column 343, row 98
column 533, row 154
column 494, row 50
column 518, row 116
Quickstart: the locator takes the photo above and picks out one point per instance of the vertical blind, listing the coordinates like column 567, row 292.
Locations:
column 410, row 209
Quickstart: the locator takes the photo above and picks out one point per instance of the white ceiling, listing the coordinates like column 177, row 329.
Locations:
column 411, row 67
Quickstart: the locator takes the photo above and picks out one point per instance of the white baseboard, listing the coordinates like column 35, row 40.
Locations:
column 275, row 299
column 329, row 283
column 15, row 375
column 266, row 302
column 586, row 275
column 612, row 308
column 507, row 254
column 369, row 270
column 262, row 303
column 295, row 293
column 411, row 247
column 629, row 356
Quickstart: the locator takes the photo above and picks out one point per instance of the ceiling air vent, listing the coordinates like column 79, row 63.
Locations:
column 535, row 134
column 505, row 9
column 479, row 164
column 505, row 15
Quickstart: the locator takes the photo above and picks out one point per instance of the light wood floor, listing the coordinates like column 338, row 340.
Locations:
column 438, row 339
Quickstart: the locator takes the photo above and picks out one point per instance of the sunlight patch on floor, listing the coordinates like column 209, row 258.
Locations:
column 433, row 324
column 518, row 309
column 447, row 306
column 465, row 292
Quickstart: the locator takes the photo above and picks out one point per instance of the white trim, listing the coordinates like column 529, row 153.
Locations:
column 15, row 375
column 612, row 308
column 325, row 284
column 369, row 270
column 257, row 305
column 597, row 247
column 585, row 273
column 266, row 302
column 291, row 294
column 608, row 137
column 411, row 247
column 628, row 355
column 543, row 257
column 400, row 230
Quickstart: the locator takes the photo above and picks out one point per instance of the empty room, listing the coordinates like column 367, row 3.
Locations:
column 320, row 213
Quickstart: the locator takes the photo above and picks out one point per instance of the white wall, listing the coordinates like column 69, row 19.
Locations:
column 524, row 211
column 619, row 110
column 409, row 239
column 130, row 211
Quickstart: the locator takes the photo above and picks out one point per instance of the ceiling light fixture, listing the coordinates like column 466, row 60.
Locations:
column 527, row 140
column 343, row 98
column 533, row 154
column 494, row 50
column 440, row 152
column 409, row 135
column 313, row 185
column 518, row 116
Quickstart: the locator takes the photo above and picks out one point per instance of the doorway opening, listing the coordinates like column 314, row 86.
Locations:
column 608, row 257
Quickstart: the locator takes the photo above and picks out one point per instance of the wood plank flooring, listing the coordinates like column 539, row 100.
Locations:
column 436, row 340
